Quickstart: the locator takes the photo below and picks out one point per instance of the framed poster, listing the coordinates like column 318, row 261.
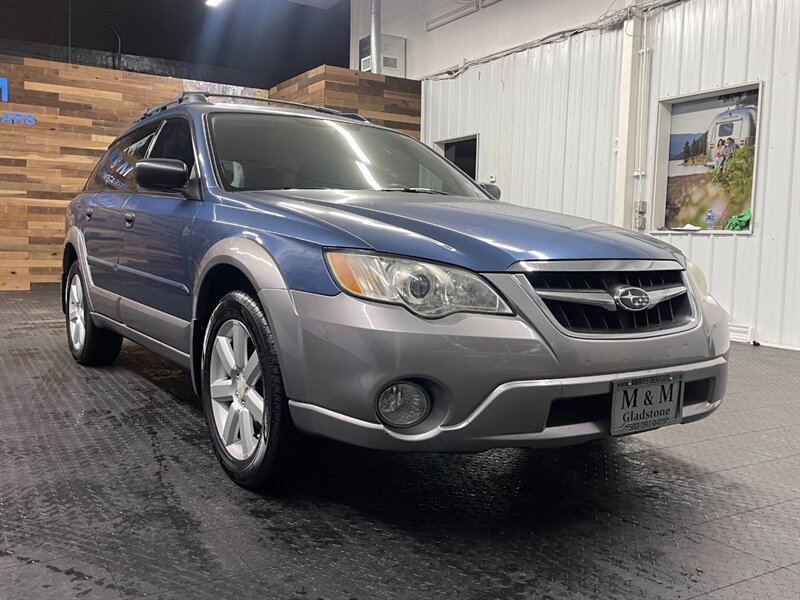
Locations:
column 707, row 161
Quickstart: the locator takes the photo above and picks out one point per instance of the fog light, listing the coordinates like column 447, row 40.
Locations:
column 403, row 405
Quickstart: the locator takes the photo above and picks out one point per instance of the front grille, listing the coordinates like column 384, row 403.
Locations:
column 582, row 317
column 699, row 391
column 584, row 409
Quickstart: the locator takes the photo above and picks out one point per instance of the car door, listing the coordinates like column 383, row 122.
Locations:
column 112, row 182
column 154, row 260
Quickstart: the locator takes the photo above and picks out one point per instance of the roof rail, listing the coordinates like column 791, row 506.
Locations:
column 185, row 98
column 322, row 109
column 355, row 116
column 203, row 97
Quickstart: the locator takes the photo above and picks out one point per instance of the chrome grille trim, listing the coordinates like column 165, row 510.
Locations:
column 592, row 298
column 606, row 300
column 657, row 296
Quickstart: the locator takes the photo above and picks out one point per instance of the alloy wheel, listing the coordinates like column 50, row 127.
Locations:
column 77, row 325
column 237, row 393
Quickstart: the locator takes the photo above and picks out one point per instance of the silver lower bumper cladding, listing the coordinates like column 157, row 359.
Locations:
column 515, row 414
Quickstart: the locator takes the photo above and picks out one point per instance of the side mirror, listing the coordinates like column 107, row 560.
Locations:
column 163, row 174
column 492, row 189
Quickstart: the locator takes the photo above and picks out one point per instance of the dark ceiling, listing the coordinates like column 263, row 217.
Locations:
column 269, row 41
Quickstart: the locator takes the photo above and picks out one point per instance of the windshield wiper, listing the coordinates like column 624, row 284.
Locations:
column 414, row 190
column 272, row 189
column 410, row 190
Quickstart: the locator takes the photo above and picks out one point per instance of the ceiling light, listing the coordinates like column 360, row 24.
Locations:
column 214, row 2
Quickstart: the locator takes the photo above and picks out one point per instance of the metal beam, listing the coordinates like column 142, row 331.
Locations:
column 629, row 107
column 375, row 41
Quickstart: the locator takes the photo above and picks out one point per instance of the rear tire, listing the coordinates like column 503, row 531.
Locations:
column 89, row 344
column 243, row 396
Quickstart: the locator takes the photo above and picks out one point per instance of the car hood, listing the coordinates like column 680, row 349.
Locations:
column 483, row 235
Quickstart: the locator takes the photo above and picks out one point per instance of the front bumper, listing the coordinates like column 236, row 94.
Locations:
column 516, row 414
column 494, row 381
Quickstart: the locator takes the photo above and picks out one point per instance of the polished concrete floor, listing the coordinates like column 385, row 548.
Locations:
column 109, row 489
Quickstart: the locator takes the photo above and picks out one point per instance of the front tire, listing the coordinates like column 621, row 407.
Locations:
column 243, row 397
column 89, row 345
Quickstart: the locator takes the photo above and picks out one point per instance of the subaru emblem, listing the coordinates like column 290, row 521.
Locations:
column 632, row 298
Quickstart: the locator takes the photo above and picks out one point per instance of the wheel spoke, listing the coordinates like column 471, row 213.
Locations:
column 77, row 339
column 231, row 426
column 73, row 312
column 224, row 352
column 246, row 431
column 239, row 345
column 255, row 405
column 252, row 370
column 222, row 389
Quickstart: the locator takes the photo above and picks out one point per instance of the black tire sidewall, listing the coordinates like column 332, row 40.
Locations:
column 257, row 469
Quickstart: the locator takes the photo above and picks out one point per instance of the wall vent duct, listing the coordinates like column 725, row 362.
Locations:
column 393, row 55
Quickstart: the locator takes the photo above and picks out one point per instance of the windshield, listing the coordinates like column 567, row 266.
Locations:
column 260, row 152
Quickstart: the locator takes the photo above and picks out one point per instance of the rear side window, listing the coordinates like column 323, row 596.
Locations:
column 114, row 172
column 175, row 141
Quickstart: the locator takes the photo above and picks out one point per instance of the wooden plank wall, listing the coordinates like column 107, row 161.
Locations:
column 384, row 100
column 78, row 111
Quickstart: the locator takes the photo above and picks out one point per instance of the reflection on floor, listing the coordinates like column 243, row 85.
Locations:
column 109, row 489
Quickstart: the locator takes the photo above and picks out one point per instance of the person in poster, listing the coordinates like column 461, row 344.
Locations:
column 719, row 155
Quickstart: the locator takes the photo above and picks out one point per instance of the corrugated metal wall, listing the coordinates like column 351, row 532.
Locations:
column 700, row 45
column 546, row 120
column 545, row 117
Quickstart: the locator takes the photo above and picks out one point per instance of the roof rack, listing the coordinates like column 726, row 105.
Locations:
column 203, row 97
column 355, row 116
column 185, row 98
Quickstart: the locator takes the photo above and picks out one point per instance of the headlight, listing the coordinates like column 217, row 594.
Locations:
column 698, row 278
column 425, row 289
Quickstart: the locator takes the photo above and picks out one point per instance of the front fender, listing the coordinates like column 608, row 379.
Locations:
column 249, row 257
column 261, row 270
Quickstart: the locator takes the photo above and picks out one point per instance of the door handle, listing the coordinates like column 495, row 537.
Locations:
column 129, row 219
column 89, row 212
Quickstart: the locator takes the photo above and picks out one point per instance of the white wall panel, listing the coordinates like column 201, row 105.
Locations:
column 700, row 45
column 546, row 120
column 491, row 29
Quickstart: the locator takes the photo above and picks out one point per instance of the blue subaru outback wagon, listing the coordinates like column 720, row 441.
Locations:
column 321, row 275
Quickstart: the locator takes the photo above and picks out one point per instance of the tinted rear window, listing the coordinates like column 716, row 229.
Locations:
column 114, row 172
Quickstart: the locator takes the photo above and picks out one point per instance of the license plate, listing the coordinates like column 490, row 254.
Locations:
column 645, row 403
